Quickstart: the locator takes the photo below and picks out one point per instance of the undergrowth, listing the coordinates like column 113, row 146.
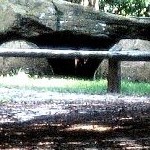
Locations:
column 70, row 85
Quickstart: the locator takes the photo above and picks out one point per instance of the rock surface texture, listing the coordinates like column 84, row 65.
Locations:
column 57, row 18
column 135, row 71
column 31, row 66
column 56, row 23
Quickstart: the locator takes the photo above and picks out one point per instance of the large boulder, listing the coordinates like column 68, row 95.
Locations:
column 31, row 66
column 135, row 71
column 64, row 23
column 53, row 23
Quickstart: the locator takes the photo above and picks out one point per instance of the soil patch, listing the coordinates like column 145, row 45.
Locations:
column 33, row 119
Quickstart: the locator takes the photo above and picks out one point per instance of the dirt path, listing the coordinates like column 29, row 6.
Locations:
column 26, row 117
column 23, row 105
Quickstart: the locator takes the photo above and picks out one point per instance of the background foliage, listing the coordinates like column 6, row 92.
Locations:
column 126, row 7
column 123, row 7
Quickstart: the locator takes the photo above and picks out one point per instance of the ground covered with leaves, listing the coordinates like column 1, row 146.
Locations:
column 52, row 120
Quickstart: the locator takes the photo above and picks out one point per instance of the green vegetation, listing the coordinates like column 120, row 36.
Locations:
column 126, row 7
column 71, row 85
column 136, row 88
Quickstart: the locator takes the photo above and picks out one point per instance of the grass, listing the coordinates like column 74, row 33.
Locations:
column 135, row 88
column 71, row 85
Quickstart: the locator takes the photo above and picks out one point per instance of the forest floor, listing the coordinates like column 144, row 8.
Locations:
column 21, row 105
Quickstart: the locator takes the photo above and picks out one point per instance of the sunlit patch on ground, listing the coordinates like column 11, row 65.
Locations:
column 22, row 79
column 129, row 144
column 93, row 127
